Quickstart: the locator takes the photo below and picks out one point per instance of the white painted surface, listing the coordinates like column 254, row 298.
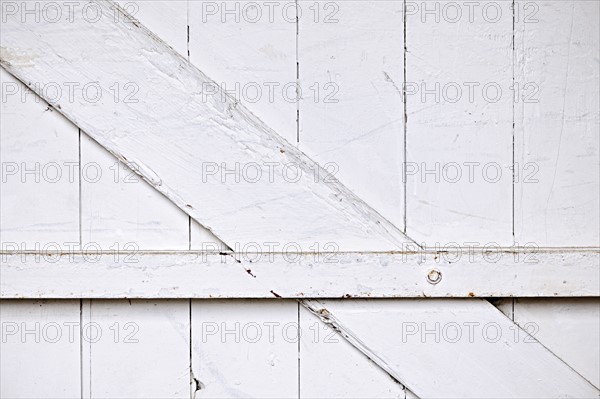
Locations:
column 38, row 209
column 199, row 275
column 456, row 344
column 351, row 62
column 39, row 186
column 557, row 132
column 569, row 327
column 556, row 53
column 331, row 367
column 459, row 135
column 143, row 350
column 137, row 349
column 223, row 133
column 120, row 211
column 244, row 349
column 248, row 48
column 39, row 350
column 167, row 19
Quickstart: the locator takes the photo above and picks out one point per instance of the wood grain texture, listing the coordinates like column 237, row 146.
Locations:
column 312, row 210
column 351, row 63
column 459, row 131
column 556, row 131
column 455, row 343
column 199, row 275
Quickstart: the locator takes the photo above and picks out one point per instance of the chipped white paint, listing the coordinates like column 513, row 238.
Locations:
column 445, row 338
column 175, row 132
column 201, row 275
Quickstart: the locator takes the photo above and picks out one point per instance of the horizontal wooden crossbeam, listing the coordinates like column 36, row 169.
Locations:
column 464, row 272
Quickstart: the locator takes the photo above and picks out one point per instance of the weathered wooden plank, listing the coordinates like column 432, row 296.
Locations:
column 459, row 106
column 331, row 367
column 244, row 349
column 556, row 126
column 136, row 349
column 249, row 49
column 251, row 275
column 176, row 134
column 455, row 343
column 351, row 63
column 39, row 356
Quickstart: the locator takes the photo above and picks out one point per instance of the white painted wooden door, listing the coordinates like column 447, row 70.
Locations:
column 299, row 199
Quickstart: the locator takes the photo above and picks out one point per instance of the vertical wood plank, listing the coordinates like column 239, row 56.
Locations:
column 569, row 327
column 556, row 136
column 351, row 65
column 249, row 49
column 459, row 129
column 39, row 202
column 143, row 347
column 39, row 350
column 137, row 349
column 245, row 348
column 39, row 188
column 331, row 367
